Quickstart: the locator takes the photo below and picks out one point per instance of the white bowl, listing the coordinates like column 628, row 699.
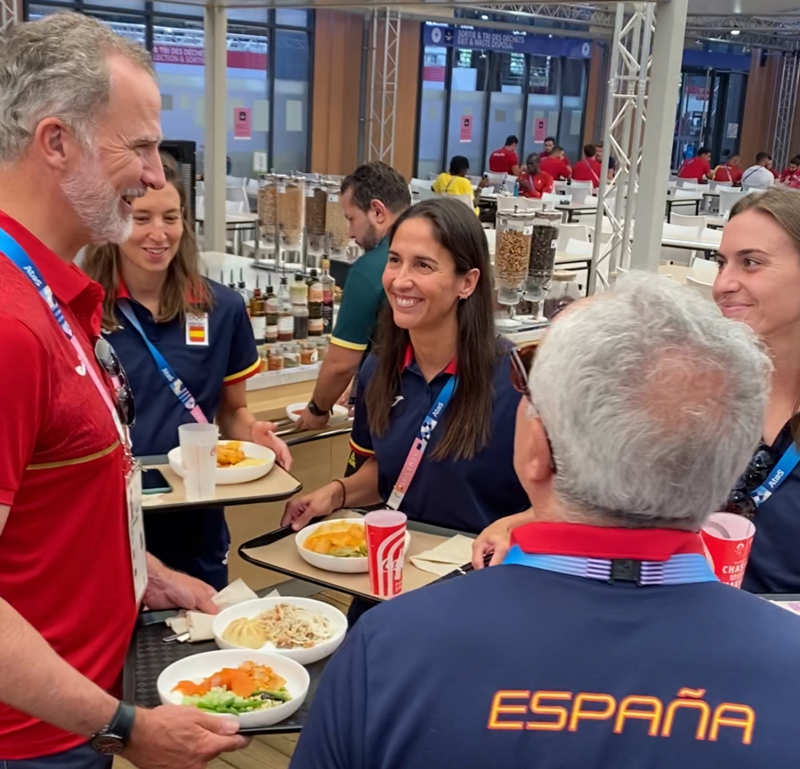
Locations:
column 254, row 607
column 335, row 562
column 233, row 474
column 340, row 413
column 200, row 666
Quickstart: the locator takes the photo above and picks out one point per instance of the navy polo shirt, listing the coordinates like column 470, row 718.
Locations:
column 461, row 494
column 774, row 564
column 229, row 356
column 486, row 670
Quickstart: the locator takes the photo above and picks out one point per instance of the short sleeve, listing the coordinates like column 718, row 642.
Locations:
column 243, row 360
column 360, row 437
column 438, row 184
column 358, row 312
column 24, row 395
column 333, row 737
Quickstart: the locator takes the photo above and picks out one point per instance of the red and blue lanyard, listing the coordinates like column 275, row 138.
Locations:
column 17, row 255
column 646, row 557
column 175, row 384
column 420, row 444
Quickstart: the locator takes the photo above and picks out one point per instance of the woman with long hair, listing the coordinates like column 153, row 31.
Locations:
column 437, row 385
column 161, row 314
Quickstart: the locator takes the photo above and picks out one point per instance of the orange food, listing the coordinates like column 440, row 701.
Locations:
column 243, row 681
column 229, row 453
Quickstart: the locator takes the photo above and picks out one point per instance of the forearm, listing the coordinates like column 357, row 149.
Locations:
column 361, row 488
column 35, row 680
column 335, row 373
column 236, row 424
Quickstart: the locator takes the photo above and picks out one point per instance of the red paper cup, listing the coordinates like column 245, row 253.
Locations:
column 728, row 538
column 386, row 533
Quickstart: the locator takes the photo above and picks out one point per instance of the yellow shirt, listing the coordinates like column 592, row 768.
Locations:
column 453, row 185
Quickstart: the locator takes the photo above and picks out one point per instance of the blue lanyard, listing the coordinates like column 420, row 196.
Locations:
column 175, row 384
column 420, row 444
column 20, row 259
column 680, row 569
column 782, row 470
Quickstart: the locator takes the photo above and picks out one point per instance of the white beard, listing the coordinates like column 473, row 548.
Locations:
column 97, row 203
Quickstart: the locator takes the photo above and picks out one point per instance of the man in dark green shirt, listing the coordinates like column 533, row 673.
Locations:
column 373, row 196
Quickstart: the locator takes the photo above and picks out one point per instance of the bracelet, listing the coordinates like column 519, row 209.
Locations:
column 344, row 494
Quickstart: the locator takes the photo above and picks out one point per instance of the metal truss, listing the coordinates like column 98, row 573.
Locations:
column 787, row 103
column 578, row 14
column 8, row 13
column 623, row 127
column 383, row 81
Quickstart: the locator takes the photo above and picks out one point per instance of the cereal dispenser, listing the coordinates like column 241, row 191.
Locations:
column 316, row 200
column 268, row 219
column 544, row 240
column 291, row 221
column 512, row 253
column 336, row 227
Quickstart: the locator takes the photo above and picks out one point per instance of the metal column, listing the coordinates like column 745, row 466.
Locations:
column 385, row 54
column 216, row 127
column 665, row 72
column 8, row 13
column 787, row 103
column 622, row 128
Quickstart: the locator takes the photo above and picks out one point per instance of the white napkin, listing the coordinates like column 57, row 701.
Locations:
column 198, row 624
column 445, row 557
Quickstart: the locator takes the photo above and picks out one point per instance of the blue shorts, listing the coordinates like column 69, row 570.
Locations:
column 82, row 757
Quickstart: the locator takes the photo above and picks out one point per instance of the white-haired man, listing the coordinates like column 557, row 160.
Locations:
column 79, row 132
column 604, row 639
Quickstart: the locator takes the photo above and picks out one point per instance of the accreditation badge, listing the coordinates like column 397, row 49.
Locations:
column 133, row 493
column 197, row 330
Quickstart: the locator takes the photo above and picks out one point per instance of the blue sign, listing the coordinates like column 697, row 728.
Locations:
column 488, row 39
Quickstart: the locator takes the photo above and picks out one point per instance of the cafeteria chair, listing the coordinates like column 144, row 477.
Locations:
column 696, row 222
column 496, row 180
column 704, row 270
column 236, row 201
column 466, row 199
column 715, row 186
column 688, row 184
column 561, row 188
column 700, row 286
column 567, row 232
column 575, row 248
column 580, row 192
column 728, row 198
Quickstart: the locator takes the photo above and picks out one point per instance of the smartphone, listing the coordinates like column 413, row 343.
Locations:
column 154, row 482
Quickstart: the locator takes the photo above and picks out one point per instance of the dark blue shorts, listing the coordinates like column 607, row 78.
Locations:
column 82, row 757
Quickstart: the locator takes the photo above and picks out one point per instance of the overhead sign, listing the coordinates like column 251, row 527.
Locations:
column 485, row 39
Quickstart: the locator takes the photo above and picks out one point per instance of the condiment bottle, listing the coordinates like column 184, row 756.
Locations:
column 328, row 285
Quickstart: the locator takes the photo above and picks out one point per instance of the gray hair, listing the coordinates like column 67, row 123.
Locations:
column 56, row 67
column 653, row 403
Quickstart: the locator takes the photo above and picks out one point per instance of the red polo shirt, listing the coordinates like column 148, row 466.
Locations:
column 695, row 168
column 65, row 561
column 535, row 186
column 587, row 170
column 502, row 161
column 727, row 173
column 558, row 168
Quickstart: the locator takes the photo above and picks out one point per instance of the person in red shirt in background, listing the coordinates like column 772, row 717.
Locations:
column 533, row 182
column 771, row 169
column 588, row 169
column 791, row 174
column 505, row 160
column 728, row 171
column 697, row 168
column 549, row 146
column 556, row 164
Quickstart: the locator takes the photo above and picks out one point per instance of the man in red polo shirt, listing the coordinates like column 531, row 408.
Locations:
column 78, row 141
column 697, row 168
column 556, row 164
column 505, row 160
column 589, row 168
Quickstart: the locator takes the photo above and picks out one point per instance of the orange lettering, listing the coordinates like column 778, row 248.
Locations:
column 579, row 713
column 559, row 712
column 653, row 714
column 703, row 707
column 498, row 708
column 746, row 723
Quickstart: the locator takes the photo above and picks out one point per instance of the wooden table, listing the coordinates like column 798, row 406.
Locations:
column 281, row 555
column 276, row 485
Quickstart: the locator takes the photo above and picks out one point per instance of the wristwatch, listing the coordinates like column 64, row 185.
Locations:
column 113, row 737
column 316, row 410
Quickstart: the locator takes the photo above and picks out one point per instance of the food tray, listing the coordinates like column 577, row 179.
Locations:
column 148, row 655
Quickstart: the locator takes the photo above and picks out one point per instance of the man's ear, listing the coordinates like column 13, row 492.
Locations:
column 537, row 465
column 54, row 143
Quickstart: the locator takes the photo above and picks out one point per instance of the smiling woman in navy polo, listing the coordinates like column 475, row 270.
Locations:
column 161, row 313
column 436, row 393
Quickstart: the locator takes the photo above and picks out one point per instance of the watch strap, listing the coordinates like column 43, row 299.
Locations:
column 120, row 725
column 316, row 410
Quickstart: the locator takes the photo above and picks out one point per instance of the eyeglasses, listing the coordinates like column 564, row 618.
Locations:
column 740, row 500
column 108, row 359
column 521, row 360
